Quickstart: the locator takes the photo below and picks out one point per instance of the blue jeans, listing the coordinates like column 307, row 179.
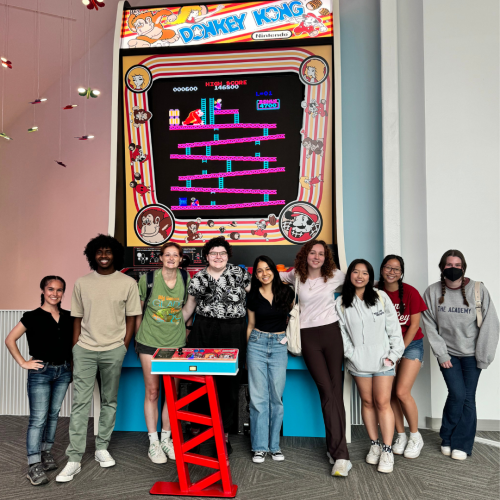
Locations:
column 266, row 361
column 458, row 428
column 47, row 387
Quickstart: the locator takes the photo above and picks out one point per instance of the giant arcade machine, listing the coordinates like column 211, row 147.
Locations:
column 224, row 125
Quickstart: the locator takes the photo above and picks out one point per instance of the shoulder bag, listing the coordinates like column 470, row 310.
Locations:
column 293, row 328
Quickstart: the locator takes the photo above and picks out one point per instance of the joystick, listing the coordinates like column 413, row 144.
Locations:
column 179, row 351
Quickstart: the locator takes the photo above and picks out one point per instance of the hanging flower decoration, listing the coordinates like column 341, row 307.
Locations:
column 38, row 101
column 93, row 4
column 84, row 137
column 60, row 163
column 88, row 92
column 33, row 129
column 70, row 106
column 6, row 63
column 5, row 136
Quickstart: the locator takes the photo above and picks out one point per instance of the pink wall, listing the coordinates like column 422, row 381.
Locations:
column 50, row 212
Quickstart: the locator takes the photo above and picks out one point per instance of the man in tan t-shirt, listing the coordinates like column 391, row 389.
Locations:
column 104, row 305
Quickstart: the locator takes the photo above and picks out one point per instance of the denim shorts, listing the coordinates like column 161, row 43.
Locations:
column 388, row 373
column 415, row 350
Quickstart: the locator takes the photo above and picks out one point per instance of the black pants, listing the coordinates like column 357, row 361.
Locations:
column 323, row 352
column 220, row 334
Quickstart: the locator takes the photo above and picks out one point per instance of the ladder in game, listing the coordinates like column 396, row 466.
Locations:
column 183, row 454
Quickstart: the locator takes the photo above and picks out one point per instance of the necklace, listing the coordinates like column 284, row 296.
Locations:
column 312, row 286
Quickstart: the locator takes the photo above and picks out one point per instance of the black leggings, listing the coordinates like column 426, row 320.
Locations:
column 225, row 334
column 323, row 352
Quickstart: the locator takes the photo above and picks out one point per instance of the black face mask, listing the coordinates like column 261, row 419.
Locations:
column 453, row 273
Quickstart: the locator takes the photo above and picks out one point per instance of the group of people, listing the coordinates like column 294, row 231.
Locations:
column 371, row 329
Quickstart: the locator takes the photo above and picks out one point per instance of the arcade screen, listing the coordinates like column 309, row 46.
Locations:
column 268, row 103
column 232, row 143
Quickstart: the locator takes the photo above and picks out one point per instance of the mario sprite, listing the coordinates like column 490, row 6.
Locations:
column 194, row 118
column 261, row 229
column 310, row 25
column 301, row 224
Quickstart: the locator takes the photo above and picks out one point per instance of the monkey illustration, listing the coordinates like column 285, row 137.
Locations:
column 149, row 29
column 192, row 231
column 314, row 109
column 154, row 226
column 194, row 118
column 139, row 116
column 136, row 153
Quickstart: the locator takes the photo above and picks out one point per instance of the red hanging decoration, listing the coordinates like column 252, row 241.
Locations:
column 93, row 4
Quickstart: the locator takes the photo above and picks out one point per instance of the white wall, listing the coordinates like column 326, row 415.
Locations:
column 412, row 168
column 461, row 84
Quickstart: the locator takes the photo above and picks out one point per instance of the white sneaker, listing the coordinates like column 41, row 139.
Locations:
column 373, row 456
column 399, row 445
column 258, row 457
column 332, row 461
column 386, row 463
column 104, row 458
column 414, row 447
column 446, row 450
column 341, row 468
column 156, row 454
column 168, row 448
column 67, row 474
column 458, row 455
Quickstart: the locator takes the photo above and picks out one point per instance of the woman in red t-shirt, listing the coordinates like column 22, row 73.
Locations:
column 409, row 305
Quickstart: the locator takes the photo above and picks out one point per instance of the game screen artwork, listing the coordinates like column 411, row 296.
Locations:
column 232, row 143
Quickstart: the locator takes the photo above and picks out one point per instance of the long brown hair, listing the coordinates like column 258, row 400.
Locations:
column 442, row 265
column 301, row 261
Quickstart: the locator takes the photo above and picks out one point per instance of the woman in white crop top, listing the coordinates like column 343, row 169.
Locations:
column 322, row 345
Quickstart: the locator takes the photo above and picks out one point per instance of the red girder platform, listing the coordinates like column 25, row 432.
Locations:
column 207, row 486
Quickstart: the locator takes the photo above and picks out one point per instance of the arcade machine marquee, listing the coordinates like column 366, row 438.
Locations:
column 225, row 127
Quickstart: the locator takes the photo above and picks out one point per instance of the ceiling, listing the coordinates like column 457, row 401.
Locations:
column 20, row 82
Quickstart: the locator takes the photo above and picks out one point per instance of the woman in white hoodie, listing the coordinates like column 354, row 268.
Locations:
column 372, row 345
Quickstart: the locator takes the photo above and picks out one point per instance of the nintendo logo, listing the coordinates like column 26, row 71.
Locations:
column 272, row 35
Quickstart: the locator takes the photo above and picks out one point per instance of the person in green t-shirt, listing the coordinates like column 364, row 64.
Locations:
column 161, row 326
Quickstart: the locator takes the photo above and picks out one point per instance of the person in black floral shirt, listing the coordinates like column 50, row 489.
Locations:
column 219, row 295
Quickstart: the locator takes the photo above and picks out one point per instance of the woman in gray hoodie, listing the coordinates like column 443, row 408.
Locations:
column 463, row 333
column 373, row 343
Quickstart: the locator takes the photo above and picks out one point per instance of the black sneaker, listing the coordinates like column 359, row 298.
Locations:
column 278, row 456
column 48, row 461
column 229, row 448
column 36, row 475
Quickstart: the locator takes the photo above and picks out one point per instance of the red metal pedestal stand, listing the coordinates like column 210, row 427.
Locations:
column 206, row 487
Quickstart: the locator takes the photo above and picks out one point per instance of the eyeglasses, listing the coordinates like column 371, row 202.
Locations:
column 215, row 254
column 395, row 270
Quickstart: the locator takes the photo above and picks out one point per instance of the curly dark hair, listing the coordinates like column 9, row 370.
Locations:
column 104, row 241
column 301, row 261
column 220, row 241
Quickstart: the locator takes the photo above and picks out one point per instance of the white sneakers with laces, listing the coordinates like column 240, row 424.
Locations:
column 341, row 468
column 70, row 470
column 414, row 446
column 156, row 453
column 399, row 445
column 386, row 462
column 446, row 450
column 373, row 456
column 168, row 447
column 104, row 458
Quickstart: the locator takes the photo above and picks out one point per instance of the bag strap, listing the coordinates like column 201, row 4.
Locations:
column 381, row 299
column 477, row 296
column 297, row 286
column 150, row 276
column 184, row 275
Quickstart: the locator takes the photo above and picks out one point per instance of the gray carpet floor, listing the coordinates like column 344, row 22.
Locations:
column 304, row 475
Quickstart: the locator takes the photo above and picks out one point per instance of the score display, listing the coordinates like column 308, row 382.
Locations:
column 268, row 104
